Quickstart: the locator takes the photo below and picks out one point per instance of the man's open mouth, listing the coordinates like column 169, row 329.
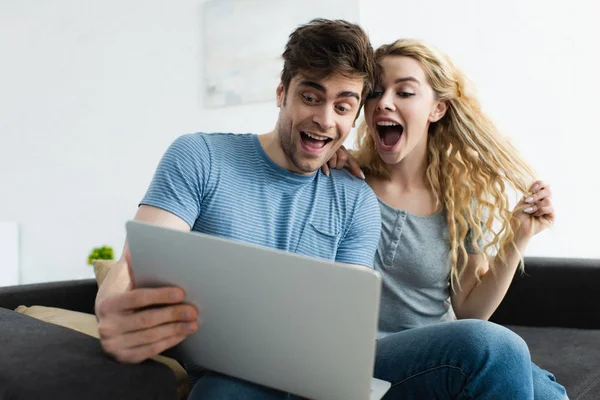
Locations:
column 389, row 132
column 313, row 140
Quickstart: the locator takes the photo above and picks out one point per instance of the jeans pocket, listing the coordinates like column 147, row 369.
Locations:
column 319, row 239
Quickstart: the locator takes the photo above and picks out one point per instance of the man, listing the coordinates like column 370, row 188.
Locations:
column 261, row 189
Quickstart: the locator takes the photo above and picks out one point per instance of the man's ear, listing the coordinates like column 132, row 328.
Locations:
column 280, row 95
column 438, row 112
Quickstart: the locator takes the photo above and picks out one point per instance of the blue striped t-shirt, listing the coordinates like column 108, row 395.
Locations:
column 226, row 185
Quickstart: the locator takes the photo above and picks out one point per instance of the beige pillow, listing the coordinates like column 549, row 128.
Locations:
column 81, row 322
column 86, row 323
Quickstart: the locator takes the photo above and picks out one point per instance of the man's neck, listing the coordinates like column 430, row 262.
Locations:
column 272, row 148
column 270, row 144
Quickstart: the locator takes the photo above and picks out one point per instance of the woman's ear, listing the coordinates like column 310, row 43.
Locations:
column 280, row 95
column 438, row 112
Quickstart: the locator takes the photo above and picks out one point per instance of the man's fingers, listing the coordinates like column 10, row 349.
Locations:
column 140, row 298
column 155, row 334
column 149, row 318
column 140, row 353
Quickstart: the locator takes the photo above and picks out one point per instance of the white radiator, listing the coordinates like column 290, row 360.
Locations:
column 9, row 254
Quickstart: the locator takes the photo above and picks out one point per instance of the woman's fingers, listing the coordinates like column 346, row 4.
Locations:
column 325, row 169
column 540, row 195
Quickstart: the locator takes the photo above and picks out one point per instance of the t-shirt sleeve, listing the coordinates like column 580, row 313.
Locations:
column 360, row 241
column 179, row 181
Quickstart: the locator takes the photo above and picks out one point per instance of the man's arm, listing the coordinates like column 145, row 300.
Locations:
column 135, row 324
column 118, row 279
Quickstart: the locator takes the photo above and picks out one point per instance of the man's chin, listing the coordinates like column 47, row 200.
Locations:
column 308, row 166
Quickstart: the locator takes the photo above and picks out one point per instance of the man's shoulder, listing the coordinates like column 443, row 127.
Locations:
column 215, row 139
column 358, row 197
column 213, row 146
column 350, row 184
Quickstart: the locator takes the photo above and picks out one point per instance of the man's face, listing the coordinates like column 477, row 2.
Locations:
column 315, row 117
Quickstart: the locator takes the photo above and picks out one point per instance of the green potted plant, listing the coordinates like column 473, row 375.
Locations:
column 101, row 253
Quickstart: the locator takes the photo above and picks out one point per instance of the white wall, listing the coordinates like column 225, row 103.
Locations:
column 9, row 253
column 91, row 94
column 535, row 64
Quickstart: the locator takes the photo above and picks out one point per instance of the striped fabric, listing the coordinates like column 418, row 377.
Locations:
column 226, row 185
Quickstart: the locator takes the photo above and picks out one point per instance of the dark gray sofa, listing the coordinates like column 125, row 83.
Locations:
column 554, row 307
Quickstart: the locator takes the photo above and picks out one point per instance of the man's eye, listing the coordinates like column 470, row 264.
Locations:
column 343, row 109
column 309, row 98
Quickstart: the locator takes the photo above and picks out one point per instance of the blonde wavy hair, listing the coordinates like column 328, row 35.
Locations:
column 470, row 164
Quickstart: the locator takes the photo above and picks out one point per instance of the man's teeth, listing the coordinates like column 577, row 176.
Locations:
column 310, row 135
column 387, row 123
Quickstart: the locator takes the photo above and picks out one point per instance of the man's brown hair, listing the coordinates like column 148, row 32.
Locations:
column 324, row 47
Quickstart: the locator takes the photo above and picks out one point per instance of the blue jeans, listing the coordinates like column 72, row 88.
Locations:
column 466, row 359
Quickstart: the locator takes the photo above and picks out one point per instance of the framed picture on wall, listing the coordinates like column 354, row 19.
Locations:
column 243, row 41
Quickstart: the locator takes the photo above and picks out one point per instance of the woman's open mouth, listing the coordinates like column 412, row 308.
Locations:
column 389, row 133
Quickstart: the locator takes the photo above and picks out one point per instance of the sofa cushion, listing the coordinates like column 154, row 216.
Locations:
column 81, row 322
column 40, row 359
column 572, row 355
column 86, row 323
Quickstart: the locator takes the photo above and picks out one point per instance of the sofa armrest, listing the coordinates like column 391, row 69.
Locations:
column 77, row 295
column 559, row 292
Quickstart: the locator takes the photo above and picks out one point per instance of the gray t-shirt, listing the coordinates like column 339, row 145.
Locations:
column 413, row 258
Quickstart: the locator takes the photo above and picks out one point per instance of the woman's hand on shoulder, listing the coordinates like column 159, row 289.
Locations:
column 343, row 159
column 535, row 211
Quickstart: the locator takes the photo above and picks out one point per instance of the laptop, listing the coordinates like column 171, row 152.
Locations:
column 299, row 324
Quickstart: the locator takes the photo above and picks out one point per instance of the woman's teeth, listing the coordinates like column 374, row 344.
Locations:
column 387, row 123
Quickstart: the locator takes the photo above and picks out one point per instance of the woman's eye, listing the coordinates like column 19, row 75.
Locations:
column 405, row 94
column 375, row 94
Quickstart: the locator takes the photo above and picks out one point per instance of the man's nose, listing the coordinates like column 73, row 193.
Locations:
column 325, row 118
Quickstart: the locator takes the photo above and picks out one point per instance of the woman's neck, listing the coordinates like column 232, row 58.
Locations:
column 407, row 187
column 411, row 172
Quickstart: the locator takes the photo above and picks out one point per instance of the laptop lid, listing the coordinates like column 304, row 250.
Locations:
column 295, row 323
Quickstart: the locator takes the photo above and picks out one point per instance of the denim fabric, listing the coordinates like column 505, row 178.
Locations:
column 466, row 359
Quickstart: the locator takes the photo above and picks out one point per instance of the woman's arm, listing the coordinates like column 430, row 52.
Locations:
column 479, row 299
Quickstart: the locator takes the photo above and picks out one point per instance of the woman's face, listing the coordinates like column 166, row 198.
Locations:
column 400, row 109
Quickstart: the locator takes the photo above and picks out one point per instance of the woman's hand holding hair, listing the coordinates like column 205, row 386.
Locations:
column 535, row 211
column 343, row 159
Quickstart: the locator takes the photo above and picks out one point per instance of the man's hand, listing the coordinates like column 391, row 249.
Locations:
column 141, row 323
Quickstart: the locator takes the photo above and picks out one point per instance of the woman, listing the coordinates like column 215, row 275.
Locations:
column 450, row 242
